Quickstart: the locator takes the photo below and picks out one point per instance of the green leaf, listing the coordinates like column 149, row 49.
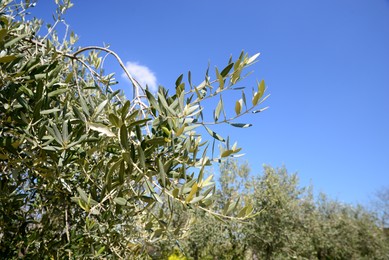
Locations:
column 156, row 141
column 238, row 106
column 121, row 172
column 14, row 40
column 123, row 136
column 120, row 201
column 8, row 58
column 50, row 148
column 225, row 209
column 255, row 98
column 57, row 92
column 214, row 135
column 79, row 115
column 261, row 88
column 3, row 33
column 196, row 199
column 242, row 212
column 227, row 69
column 227, row 153
column 209, row 190
column 244, row 99
column 175, row 192
column 192, row 193
column 100, row 108
column 142, row 158
column 241, row 125
column 101, row 129
column 179, row 80
column 114, row 120
column 218, row 109
column 220, row 79
column 180, row 130
column 260, row 110
column 190, row 78
column 49, row 111
column 153, row 193
column 84, row 105
column 180, row 89
column 191, row 127
column 252, row 58
column 162, row 174
column 263, row 99
column 55, row 133
column 207, row 181
column 83, row 194
column 132, row 116
column 139, row 122
column 249, row 209
column 164, row 103
column 65, row 132
column 101, row 250
column 125, row 109
column 127, row 157
column 232, row 207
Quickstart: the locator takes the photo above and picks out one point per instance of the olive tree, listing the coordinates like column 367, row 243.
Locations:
column 85, row 171
column 279, row 230
column 381, row 205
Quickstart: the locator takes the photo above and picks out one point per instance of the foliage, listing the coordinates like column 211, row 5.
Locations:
column 279, row 230
column 212, row 238
column 86, row 173
column 288, row 223
column 381, row 205
column 346, row 232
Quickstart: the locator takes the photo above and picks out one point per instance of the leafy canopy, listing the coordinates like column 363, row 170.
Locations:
column 83, row 168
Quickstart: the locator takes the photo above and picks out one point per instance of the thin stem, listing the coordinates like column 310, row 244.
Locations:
column 135, row 84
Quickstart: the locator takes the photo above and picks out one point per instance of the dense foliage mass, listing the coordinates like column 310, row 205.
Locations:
column 290, row 223
column 85, row 172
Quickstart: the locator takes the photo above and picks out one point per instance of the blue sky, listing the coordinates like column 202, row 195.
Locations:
column 326, row 65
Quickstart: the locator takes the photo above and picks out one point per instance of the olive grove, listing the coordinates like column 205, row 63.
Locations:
column 291, row 223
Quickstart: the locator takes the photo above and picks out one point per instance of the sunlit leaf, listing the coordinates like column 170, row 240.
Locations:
column 120, row 201
column 238, row 106
column 49, row 111
column 261, row 88
column 227, row 153
column 252, row 58
column 101, row 129
column 192, row 193
column 218, row 109
column 220, row 80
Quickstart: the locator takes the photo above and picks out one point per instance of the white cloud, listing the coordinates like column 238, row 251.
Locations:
column 142, row 74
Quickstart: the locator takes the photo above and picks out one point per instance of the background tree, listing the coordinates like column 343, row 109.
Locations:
column 213, row 238
column 381, row 205
column 343, row 231
column 279, row 231
column 288, row 223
